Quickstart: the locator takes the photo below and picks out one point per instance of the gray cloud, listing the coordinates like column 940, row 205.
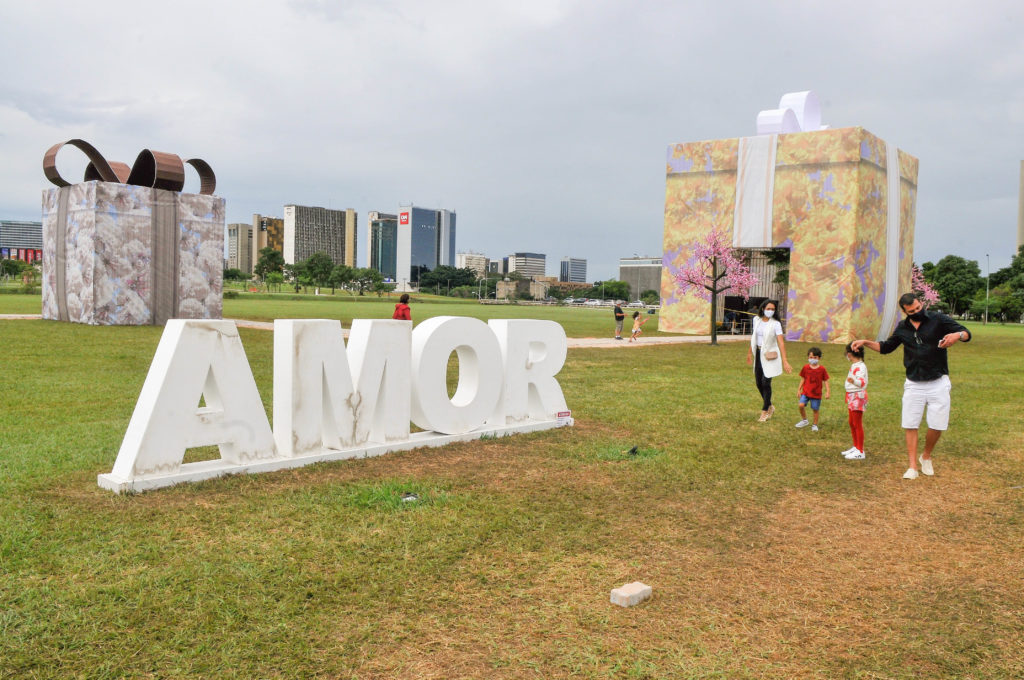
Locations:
column 544, row 124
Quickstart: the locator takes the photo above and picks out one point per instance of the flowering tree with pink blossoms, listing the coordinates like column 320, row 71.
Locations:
column 924, row 290
column 714, row 269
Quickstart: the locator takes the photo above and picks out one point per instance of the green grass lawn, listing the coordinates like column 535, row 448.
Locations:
column 769, row 555
column 579, row 322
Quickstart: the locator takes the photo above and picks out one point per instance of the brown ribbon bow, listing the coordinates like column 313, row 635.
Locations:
column 151, row 169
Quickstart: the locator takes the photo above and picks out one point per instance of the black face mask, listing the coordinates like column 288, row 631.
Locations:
column 917, row 316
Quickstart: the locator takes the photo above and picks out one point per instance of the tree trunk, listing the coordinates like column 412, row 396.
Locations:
column 714, row 300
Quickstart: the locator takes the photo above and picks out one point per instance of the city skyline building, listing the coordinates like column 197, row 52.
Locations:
column 240, row 247
column 528, row 264
column 425, row 241
column 312, row 229
column 267, row 232
column 640, row 274
column 573, row 270
column 475, row 261
column 21, row 240
column 382, row 243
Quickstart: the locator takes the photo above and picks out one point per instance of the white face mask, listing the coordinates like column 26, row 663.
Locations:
column 769, row 313
column 812, row 361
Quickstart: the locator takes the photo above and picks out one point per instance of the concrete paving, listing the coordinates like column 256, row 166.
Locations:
column 574, row 343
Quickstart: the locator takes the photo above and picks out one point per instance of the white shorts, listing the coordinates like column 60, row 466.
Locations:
column 931, row 393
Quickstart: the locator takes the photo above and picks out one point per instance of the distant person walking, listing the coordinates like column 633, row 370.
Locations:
column 768, row 355
column 402, row 311
column 925, row 337
column 619, row 317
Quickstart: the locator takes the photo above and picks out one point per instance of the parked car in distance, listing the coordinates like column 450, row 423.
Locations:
column 592, row 303
column 637, row 303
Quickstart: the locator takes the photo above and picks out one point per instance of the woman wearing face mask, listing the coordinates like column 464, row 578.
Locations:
column 768, row 354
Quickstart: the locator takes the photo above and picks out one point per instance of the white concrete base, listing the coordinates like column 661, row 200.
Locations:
column 210, row 469
column 631, row 594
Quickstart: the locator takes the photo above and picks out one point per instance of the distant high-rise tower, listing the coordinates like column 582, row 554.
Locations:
column 382, row 243
column 309, row 230
column 528, row 264
column 478, row 263
column 240, row 247
column 573, row 269
column 267, row 232
column 426, row 240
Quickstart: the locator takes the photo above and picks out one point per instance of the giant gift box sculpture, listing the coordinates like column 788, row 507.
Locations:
column 126, row 246
column 842, row 200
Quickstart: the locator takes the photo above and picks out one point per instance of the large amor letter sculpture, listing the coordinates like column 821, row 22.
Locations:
column 333, row 402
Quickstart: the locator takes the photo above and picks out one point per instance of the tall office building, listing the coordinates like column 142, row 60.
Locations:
column 475, row 261
column 528, row 264
column 309, row 230
column 426, row 240
column 640, row 273
column 21, row 240
column 573, row 269
column 267, row 232
column 382, row 243
column 240, row 247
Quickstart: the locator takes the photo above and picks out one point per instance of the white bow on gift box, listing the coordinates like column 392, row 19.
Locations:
column 797, row 112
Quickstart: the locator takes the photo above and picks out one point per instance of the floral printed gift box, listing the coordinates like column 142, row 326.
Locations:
column 825, row 195
column 120, row 254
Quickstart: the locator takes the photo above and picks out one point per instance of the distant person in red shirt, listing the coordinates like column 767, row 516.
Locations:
column 813, row 377
column 402, row 309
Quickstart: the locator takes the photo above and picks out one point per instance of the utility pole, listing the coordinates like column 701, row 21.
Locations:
column 988, row 275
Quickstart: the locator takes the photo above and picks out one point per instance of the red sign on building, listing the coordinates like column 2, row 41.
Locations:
column 403, row 218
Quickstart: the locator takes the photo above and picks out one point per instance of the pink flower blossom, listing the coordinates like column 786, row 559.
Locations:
column 714, row 268
column 924, row 290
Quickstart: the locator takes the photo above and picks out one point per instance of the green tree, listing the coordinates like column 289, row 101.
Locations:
column 10, row 267
column 269, row 260
column 275, row 279
column 235, row 275
column 956, row 279
column 651, row 297
column 318, row 269
column 365, row 278
column 298, row 274
column 341, row 276
column 1014, row 274
column 379, row 287
column 446, row 278
column 779, row 258
column 609, row 290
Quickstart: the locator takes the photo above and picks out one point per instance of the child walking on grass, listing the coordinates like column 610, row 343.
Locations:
column 812, row 377
column 637, row 323
column 856, row 400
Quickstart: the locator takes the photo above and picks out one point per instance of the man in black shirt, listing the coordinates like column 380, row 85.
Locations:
column 925, row 336
column 619, row 317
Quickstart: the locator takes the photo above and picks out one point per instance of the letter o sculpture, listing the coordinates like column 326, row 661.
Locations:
column 480, row 374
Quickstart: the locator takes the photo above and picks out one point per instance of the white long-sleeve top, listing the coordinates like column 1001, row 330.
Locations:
column 857, row 378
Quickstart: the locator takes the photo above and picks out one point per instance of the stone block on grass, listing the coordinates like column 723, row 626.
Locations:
column 631, row 594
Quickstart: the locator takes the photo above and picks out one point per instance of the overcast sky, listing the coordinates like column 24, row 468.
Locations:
column 542, row 123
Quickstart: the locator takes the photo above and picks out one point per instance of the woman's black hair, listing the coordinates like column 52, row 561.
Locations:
column 404, row 299
column 859, row 353
column 760, row 310
column 636, row 314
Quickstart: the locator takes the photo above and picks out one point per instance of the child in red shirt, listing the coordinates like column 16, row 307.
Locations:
column 813, row 377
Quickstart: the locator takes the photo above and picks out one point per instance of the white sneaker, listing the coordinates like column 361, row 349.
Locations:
column 911, row 473
column 856, row 454
column 814, row 428
column 926, row 466
column 848, row 451
column 803, row 423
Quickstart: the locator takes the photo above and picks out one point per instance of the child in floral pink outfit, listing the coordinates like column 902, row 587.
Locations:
column 856, row 400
